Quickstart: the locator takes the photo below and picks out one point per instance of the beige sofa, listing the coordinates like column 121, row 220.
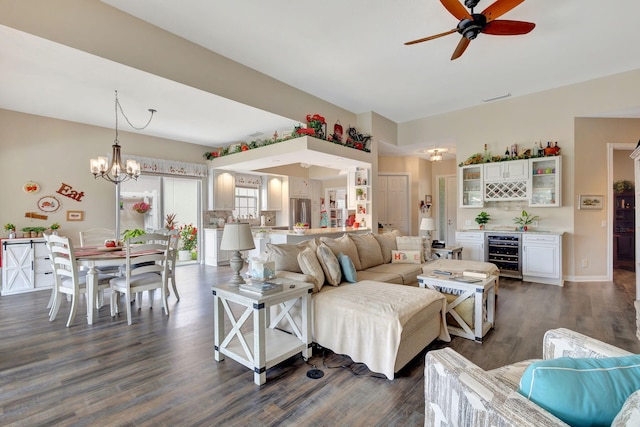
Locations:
column 387, row 257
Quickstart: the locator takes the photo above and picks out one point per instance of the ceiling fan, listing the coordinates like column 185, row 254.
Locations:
column 471, row 24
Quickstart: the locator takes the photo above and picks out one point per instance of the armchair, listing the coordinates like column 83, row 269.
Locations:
column 459, row 393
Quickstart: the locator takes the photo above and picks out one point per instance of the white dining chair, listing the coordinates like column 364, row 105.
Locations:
column 67, row 280
column 147, row 269
column 96, row 236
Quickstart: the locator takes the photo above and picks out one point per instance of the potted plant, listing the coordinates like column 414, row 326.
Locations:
column 11, row 229
column 525, row 219
column 26, row 231
column 188, row 241
column 38, row 231
column 141, row 207
column 54, row 228
column 360, row 193
column 482, row 219
column 128, row 234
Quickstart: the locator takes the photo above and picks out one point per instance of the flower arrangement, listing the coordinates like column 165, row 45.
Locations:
column 9, row 227
column 317, row 126
column 188, row 237
column 141, row 207
column 54, row 226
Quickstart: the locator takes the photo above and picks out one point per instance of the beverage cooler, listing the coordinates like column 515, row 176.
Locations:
column 504, row 250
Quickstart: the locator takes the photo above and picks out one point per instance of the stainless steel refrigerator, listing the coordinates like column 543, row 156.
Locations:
column 300, row 212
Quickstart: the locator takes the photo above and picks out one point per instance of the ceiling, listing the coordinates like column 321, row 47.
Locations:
column 348, row 53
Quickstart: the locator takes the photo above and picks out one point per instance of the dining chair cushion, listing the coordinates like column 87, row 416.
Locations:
column 138, row 280
column 82, row 280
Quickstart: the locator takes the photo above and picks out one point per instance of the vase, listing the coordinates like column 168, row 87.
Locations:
column 12, row 234
column 184, row 255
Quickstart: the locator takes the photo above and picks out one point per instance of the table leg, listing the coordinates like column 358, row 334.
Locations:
column 306, row 326
column 218, row 327
column 92, row 281
column 478, row 309
column 259, row 350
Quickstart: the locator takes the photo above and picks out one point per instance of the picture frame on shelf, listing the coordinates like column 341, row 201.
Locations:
column 75, row 215
column 588, row 201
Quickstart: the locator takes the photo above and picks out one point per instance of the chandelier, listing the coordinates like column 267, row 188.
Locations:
column 115, row 171
column 436, row 154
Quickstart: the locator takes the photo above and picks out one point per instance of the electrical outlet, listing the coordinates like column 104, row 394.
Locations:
column 467, row 222
column 534, row 223
column 584, row 263
column 604, row 224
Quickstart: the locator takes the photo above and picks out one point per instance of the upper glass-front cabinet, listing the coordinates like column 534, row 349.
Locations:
column 545, row 182
column 470, row 186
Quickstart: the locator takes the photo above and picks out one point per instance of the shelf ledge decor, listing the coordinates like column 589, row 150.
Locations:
column 317, row 127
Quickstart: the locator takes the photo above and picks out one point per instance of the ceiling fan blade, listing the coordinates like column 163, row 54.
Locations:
column 432, row 37
column 504, row 27
column 462, row 46
column 499, row 8
column 456, row 9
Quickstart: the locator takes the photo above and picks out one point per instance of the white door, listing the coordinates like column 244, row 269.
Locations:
column 393, row 203
column 450, row 212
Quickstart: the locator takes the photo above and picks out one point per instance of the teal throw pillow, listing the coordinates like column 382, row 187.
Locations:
column 582, row 391
column 347, row 267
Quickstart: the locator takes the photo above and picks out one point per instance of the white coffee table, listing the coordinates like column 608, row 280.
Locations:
column 483, row 295
column 264, row 346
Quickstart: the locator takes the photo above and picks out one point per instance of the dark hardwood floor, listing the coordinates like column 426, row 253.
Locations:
column 161, row 371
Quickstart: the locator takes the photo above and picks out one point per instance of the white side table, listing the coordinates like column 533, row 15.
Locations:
column 451, row 252
column 264, row 346
column 483, row 295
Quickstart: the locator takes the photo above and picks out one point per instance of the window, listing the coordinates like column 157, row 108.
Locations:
column 246, row 202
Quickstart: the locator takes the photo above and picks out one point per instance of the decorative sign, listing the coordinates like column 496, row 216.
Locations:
column 31, row 187
column 68, row 191
column 75, row 215
column 49, row 204
column 35, row 215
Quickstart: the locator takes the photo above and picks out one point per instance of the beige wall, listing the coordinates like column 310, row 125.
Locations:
column 549, row 115
column 51, row 152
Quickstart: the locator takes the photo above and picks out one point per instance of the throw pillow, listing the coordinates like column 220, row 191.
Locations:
column 405, row 257
column 629, row 415
column 330, row 265
column 345, row 245
column 347, row 268
column 369, row 250
column 411, row 243
column 387, row 242
column 310, row 265
column 286, row 255
column 582, row 391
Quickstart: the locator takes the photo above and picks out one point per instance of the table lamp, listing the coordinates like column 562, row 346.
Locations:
column 428, row 224
column 236, row 237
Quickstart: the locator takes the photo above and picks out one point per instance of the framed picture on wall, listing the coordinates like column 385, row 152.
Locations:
column 75, row 215
column 590, row 202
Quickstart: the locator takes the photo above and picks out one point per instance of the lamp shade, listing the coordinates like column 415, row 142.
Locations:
column 236, row 236
column 428, row 224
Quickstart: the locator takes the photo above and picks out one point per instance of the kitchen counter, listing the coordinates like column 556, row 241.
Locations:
column 513, row 230
column 290, row 236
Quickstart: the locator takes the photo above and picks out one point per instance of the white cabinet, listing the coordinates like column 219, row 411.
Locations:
column 542, row 258
column 472, row 243
column 507, row 170
column 25, row 266
column 299, row 187
column 212, row 253
column 316, row 191
column 545, row 182
column 272, row 193
column 222, row 194
column 471, row 186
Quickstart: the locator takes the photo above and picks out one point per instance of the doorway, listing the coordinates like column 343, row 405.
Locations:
column 446, row 217
column 620, row 167
column 165, row 195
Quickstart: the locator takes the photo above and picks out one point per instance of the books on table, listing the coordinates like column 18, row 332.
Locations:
column 261, row 288
column 475, row 274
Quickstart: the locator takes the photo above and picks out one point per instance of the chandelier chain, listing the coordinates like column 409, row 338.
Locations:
column 119, row 107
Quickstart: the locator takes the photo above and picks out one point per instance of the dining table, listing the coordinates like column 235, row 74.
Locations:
column 92, row 257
